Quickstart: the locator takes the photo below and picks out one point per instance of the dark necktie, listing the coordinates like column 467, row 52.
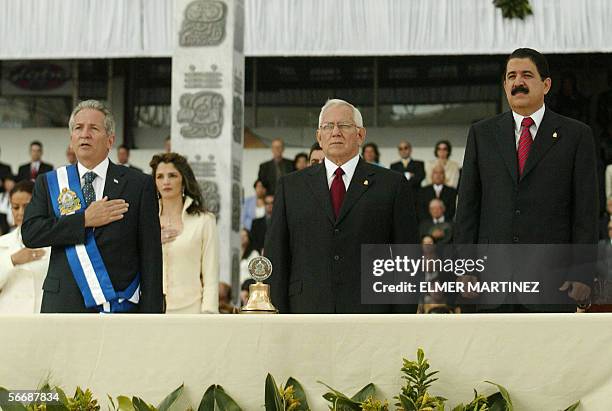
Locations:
column 337, row 191
column 525, row 142
column 88, row 190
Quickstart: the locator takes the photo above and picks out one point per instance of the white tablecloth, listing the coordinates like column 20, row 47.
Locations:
column 547, row 361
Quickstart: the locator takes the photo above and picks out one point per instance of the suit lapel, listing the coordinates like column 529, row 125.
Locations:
column 113, row 186
column 507, row 144
column 363, row 172
column 115, row 180
column 317, row 181
column 543, row 141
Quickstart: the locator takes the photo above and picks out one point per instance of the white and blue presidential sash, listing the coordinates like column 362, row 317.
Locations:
column 85, row 260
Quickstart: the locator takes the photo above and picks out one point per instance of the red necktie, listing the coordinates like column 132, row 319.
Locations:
column 525, row 142
column 337, row 191
column 33, row 173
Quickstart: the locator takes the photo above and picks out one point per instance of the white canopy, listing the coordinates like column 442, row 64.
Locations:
column 56, row 29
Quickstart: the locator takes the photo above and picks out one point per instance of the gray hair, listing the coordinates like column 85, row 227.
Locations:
column 337, row 102
column 109, row 119
column 438, row 201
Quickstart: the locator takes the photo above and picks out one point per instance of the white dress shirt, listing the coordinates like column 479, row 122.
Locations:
column 348, row 168
column 438, row 189
column 537, row 120
column 98, row 183
column 439, row 220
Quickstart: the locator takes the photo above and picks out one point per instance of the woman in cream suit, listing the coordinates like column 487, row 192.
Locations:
column 22, row 270
column 189, row 239
column 451, row 168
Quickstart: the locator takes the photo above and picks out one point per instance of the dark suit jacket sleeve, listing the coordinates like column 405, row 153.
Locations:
column 467, row 218
column 262, row 175
column 41, row 228
column 585, row 209
column 405, row 228
column 419, row 174
column 584, row 197
column 277, row 250
column 23, row 173
column 149, row 237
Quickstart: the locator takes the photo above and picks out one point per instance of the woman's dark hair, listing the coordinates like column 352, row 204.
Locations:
column 447, row 143
column 25, row 186
column 249, row 249
column 257, row 181
column 298, row 155
column 374, row 147
column 190, row 184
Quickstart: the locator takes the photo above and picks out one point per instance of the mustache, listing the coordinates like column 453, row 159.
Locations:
column 519, row 89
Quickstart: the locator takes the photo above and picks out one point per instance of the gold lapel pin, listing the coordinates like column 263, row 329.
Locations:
column 365, row 182
column 555, row 135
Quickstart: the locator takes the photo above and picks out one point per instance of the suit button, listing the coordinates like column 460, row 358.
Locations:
column 336, row 230
column 515, row 239
column 336, row 257
column 517, row 212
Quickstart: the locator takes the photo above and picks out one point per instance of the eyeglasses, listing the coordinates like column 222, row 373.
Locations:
column 403, row 148
column 343, row 127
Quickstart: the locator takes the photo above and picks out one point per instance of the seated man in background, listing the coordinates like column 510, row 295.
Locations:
column 436, row 224
column 438, row 190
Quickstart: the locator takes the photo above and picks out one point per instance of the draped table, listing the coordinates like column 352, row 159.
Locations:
column 546, row 361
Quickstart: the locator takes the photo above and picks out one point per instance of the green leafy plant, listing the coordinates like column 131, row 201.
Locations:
column 138, row 404
column 83, row 401
column 512, row 9
column 414, row 396
column 363, row 400
column 498, row 401
column 573, row 407
column 215, row 398
column 290, row 397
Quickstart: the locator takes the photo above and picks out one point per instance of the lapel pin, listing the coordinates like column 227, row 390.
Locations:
column 115, row 181
column 365, row 182
column 555, row 135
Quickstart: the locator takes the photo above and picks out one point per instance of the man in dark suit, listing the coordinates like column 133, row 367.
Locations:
column 271, row 171
column 413, row 170
column 436, row 225
column 36, row 166
column 123, row 157
column 103, row 227
column 530, row 175
column 260, row 225
column 324, row 213
column 438, row 190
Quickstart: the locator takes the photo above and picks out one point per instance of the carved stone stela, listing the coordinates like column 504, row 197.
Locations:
column 203, row 24
column 237, row 116
column 202, row 114
column 235, row 207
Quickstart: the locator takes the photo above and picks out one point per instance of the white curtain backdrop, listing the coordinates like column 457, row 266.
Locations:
column 46, row 29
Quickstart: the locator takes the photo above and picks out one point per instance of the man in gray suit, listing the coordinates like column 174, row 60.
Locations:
column 324, row 213
column 530, row 175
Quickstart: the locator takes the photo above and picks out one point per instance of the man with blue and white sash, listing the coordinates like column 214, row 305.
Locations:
column 101, row 221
